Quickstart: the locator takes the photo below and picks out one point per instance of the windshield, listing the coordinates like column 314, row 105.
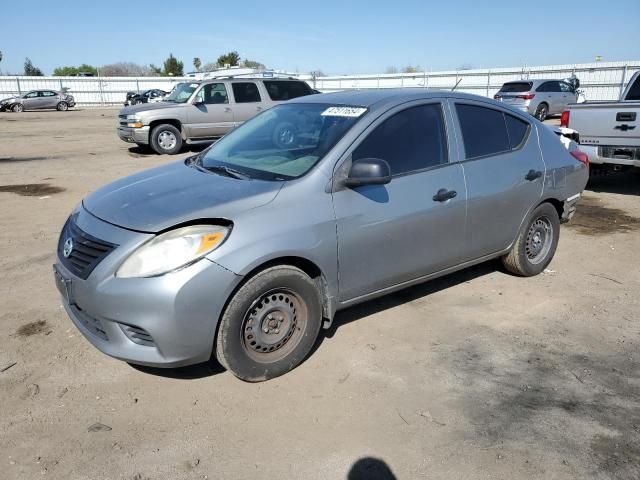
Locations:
column 284, row 142
column 181, row 93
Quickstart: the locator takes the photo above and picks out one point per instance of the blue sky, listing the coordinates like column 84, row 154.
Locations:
column 338, row 37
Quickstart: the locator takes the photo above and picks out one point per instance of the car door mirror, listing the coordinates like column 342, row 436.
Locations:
column 368, row 171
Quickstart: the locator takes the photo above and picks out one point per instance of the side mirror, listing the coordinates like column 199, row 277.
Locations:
column 368, row 171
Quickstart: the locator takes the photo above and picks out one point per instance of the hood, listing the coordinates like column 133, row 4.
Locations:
column 157, row 199
column 145, row 106
column 8, row 99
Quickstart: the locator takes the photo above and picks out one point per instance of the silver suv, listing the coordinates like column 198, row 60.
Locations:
column 539, row 98
column 202, row 112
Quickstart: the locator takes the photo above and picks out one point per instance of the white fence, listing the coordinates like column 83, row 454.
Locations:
column 601, row 81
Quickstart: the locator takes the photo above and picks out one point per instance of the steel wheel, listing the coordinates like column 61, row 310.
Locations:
column 538, row 241
column 272, row 326
column 167, row 140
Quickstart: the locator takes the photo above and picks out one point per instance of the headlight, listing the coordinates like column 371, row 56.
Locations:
column 134, row 121
column 173, row 250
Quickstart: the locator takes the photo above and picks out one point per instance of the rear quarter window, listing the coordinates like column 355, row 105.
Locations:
column 517, row 130
column 634, row 91
column 516, row 87
column 281, row 91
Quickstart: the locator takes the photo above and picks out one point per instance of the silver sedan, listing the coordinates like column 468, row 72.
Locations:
column 38, row 100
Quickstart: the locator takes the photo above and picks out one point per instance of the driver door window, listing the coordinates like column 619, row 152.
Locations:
column 213, row 94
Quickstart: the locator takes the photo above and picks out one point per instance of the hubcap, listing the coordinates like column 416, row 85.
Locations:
column 167, row 140
column 272, row 326
column 539, row 240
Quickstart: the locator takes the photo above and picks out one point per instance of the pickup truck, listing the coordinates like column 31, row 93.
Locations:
column 609, row 132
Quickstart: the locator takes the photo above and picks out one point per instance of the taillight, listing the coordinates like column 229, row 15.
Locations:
column 564, row 119
column 528, row 96
column 580, row 156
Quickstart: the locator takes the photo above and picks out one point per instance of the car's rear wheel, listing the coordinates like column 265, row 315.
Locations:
column 542, row 112
column 17, row 108
column 270, row 325
column 166, row 138
column 138, row 102
column 536, row 244
column 62, row 107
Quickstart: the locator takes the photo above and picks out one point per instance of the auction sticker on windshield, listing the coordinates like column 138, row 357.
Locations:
column 343, row 112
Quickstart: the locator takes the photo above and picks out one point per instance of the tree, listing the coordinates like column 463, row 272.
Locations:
column 172, row 67
column 155, row 71
column 73, row 71
column 253, row 64
column 30, row 70
column 411, row 69
column 197, row 64
column 231, row 58
column 125, row 69
column 208, row 67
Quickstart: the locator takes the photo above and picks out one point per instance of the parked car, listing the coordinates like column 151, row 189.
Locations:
column 609, row 131
column 38, row 100
column 539, row 98
column 248, row 248
column 203, row 111
column 153, row 95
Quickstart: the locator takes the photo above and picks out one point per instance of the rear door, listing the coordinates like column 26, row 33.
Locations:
column 49, row 99
column 211, row 114
column 394, row 233
column 568, row 95
column 504, row 173
column 248, row 101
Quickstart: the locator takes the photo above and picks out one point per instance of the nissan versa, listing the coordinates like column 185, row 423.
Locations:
column 247, row 249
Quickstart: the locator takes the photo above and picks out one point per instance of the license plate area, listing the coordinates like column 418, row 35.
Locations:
column 64, row 285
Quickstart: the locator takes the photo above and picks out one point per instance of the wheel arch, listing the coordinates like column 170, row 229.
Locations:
column 170, row 121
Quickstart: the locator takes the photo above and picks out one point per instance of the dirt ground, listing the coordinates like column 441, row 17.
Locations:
column 479, row 375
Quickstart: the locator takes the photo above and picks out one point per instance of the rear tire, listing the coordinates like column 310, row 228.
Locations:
column 17, row 108
column 270, row 325
column 536, row 243
column 542, row 112
column 62, row 107
column 166, row 138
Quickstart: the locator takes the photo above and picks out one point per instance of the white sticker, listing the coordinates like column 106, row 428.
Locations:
column 344, row 111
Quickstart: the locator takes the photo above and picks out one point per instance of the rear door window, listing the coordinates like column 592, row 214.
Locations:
column 516, row 87
column 48, row 93
column 634, row 91
column 280, row 90
column 410, row 140
column 246, row 92
column 565, row 87
column 484, row 130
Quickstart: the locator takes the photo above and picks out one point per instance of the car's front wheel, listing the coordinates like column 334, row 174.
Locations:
column 62, row 107
column 270, row 325
column 166, row 138
column 17, row 108
column 542, row 112
column 536, row 244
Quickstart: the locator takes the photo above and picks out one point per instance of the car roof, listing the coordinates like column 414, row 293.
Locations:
column 371, row 97
column 536, row 80
column 245, row 79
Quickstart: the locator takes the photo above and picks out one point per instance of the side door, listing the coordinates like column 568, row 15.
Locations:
column 391, row 234
column 49, row 99
column 248, row 101
column 545, row 92
column 557, row 100
column 210, row 114
column 31, row 100
column 504, row 172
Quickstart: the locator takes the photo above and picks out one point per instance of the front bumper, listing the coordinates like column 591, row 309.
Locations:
column 134, row 135
column 165, row 321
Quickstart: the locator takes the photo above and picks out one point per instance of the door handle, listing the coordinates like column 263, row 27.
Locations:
column 443, row 195
column 532, row 175
column 259, row 109
column 227, row 109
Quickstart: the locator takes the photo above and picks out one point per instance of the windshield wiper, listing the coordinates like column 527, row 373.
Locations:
column 228, row 171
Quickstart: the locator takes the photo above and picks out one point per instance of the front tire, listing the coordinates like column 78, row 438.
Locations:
column 536, row 244
column 62, row 107
column 270, row 325
column 166, row 138
column 542, row 112
column 17, row 108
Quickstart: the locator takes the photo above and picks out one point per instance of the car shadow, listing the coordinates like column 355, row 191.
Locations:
column 344, row 317
column 623, row 183
column 407, row 295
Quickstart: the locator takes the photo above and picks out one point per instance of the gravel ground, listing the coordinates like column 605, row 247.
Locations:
column 476, row 375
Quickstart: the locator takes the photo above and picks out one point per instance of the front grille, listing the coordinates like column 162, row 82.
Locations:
column 137, row 335
column 122, row 120
column 93, row 325
column 86, row 253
